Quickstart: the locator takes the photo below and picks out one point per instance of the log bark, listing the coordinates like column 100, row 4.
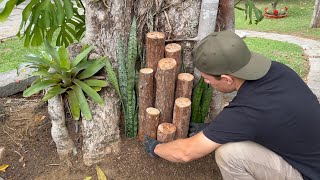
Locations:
column 184, row 85
column 166, row 132
column 181, row 117
column 151, row 122
column 173, row 50
column 101, row 135
column 165, row 86
column 146, row 96
column 155, row 43
column 59, row 132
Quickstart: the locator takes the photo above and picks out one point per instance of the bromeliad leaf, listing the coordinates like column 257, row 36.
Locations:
column 64, row 58
column 52, row 51
column 39, row 86
column 96, row 82
column 74, row 104
column 56, row 90
column 83, row 104
column 81, row 56
column 89, row 91
column 92, row 69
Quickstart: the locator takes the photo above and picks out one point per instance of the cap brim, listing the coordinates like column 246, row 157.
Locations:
column 257, row 67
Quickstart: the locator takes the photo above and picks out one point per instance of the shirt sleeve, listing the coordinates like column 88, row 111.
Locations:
column 232, row 124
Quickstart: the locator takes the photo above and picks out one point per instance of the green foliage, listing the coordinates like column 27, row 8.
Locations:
column 201, row 99
column 126, row 82
column 250, row 9
column 58, row 76
column 42, row 18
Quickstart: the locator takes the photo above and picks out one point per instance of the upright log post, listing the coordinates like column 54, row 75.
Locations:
column 184, row 85
column 181, row 117
column 173, row 50
column 155, row 43
column 166, row 132
column 165, row 86
column 151, row 122
column 146, row 96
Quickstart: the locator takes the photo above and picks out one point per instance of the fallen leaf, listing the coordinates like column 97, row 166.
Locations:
column 39, row 117
column 4, row 167
column 88, row 178
column 100, row 174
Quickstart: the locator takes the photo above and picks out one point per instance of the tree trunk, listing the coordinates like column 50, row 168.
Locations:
column 225, row 20
column 59, row 132
column 105, row 22
column 315, row 22
column 274, row 4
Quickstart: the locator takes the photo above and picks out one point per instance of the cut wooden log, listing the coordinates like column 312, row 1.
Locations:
column 184, row 85
column 155, row 43
column 166, row 132
column 181, row 117
column 165, row 86
column 151, row 122
column 173, row 50
column 146, row 96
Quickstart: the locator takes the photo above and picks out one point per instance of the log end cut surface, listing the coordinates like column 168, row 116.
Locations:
column 146, row 70
column 166, row 128
column 155, row 35
column 167, row 63
column 173, row 47
column 185, row 77
column 152, row 111
column 183, row 102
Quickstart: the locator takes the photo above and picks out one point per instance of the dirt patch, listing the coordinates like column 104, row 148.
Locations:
column 31, row 153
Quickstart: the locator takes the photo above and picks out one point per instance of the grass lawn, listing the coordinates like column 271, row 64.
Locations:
column 286, row 53
column 297, row 23
column 12, row 51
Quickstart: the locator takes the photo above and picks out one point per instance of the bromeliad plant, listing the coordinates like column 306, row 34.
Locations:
column 126, row 82
column 201, row 100
column 74, row 79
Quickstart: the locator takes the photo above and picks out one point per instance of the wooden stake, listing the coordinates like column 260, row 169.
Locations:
column 166, row 132
column 173, row 50
column 165, row 85
column 155, row 43
column 151, row 122
column 184, row 85
column 146, row 96
column 181, row 117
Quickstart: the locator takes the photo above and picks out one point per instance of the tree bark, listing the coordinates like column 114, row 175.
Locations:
column 315, row 22
column 181, row 117
column 146, row 96
column 225, row 20
column 59, row 132
column 184, row 85
column 166, row 132
column 173, row 50
column 154, row 49
column 165, row 86
column 151, row 122
column 101, row 135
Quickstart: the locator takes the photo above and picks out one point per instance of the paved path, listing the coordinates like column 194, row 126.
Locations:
column 310, row 47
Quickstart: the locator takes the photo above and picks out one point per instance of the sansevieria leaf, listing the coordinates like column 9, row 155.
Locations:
column 89, row 91
column 83, row 104
column 74, row 104
column 39, row 86
column 112, row 77
column 56, row 90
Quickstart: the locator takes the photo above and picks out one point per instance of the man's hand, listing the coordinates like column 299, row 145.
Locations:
column 196, row 128
column 149, row 145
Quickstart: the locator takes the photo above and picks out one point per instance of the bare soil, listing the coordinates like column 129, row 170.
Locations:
column 31, row 153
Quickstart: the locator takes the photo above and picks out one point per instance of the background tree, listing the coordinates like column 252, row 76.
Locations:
column 315, row 22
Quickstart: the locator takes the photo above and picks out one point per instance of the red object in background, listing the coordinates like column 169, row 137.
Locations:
column 286, row 8
column 275, row 12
